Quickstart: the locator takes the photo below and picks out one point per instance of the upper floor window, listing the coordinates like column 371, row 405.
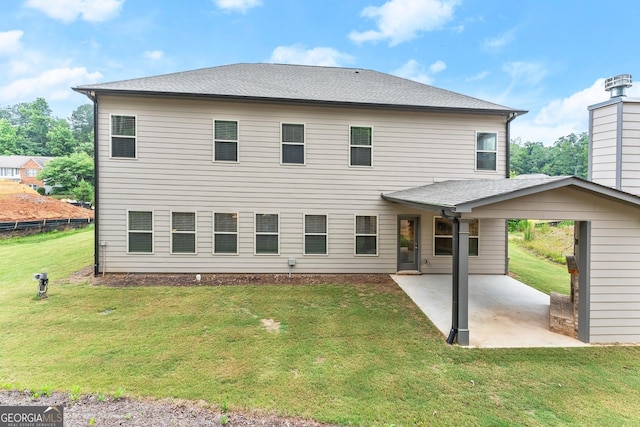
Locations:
column 140, row 232
column 360, row 146
column 225, row 141
column 225, row 233
column 366, row 235
column 123, row 137
column 32, row 173
column 315, row 235
column 292, row 144
column 183, row 232
column 443, row 237
column 486, row 151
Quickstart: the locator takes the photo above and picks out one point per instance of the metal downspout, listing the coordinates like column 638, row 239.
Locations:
column 96, row 228
column 511, row 118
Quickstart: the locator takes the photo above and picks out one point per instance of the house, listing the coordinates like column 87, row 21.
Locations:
column 23, row 169
column 269, row 168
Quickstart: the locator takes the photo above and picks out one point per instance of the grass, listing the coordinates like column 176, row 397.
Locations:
column 537, row 271
column 354, row 355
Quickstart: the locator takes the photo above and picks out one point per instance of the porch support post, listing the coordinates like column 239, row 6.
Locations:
column 462, row 274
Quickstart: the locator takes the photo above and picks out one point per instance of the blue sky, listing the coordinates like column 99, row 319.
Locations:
column 546, row 56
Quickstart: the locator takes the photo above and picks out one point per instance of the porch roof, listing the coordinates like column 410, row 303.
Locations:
column 462, row 196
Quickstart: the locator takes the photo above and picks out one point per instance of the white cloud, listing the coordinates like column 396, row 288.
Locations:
column 237, row 5
column 153, row 54
column 70, row 10
column 52, row 84
column 563, row 116
column 477, row 77
column 296, row 54
column 499, row 42
column 529, row 73
column 413, row 70
column 401, row 20
column 10, row 42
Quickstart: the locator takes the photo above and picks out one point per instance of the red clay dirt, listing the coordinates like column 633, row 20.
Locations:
column 27, row 207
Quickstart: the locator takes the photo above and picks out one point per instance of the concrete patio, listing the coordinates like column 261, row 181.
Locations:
column 502, row 311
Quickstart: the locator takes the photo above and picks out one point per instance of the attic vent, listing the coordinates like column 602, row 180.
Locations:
column 618, row 84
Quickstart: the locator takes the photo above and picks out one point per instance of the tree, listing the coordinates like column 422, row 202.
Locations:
column 8, row 138
column 82, row 123
column 34, row 121
column 83, row 192
column 569, row 156
column 60, row 141
column 65, row 173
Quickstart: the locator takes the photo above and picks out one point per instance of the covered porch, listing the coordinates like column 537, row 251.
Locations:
column 503, row 313
column 468, row 301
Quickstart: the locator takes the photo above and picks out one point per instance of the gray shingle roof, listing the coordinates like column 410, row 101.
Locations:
column 300, row 83
column 464, row 195
column 17, row 162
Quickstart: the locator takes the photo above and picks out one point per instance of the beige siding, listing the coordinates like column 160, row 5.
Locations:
column 175, row 171
column 631, row 147
column 604, row 146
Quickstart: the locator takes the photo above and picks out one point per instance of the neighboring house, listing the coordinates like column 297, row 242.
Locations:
column 267, row 168
column 23, row 169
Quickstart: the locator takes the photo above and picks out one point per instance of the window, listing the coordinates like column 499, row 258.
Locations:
column 183, row 232
column 486, row 151
column 267, row 234
column 32, row 173
column 225, row 141
column 443, row 237
column 9, row 172
column 225, row 233
column 366, row 235
column 360, row 146
column 292, row 144
column 315, row 235
column 123, row 137
column 140, row 232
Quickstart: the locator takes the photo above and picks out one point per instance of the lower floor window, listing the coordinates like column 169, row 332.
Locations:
column 225, row 231
column 267, row 234
column 139, row 232
column 183, row 232
column 443, row 237
column 366, row 235
column 315, row 235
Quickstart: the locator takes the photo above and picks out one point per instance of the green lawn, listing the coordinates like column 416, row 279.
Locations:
column 536, row 271
column 355, row 355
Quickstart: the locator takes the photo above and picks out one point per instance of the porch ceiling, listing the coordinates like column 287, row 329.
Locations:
column 465, row 195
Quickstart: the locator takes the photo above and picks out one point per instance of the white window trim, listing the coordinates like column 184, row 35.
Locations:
column 194, row 232
column 111, row 135
column 476, row 151
column 304, row 234
column 304, row 144
column 237, row 141
column 237, row 234
column 355, row 236
column 255, row 233
column 153, row 236
column 363, row 146
column 32, row 172
column 451, row 237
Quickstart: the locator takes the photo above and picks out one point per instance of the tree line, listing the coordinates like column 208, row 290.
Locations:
column 567, row 156
column 30, row 129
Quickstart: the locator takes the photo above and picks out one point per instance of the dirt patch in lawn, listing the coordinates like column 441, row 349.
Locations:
column 106, row 411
